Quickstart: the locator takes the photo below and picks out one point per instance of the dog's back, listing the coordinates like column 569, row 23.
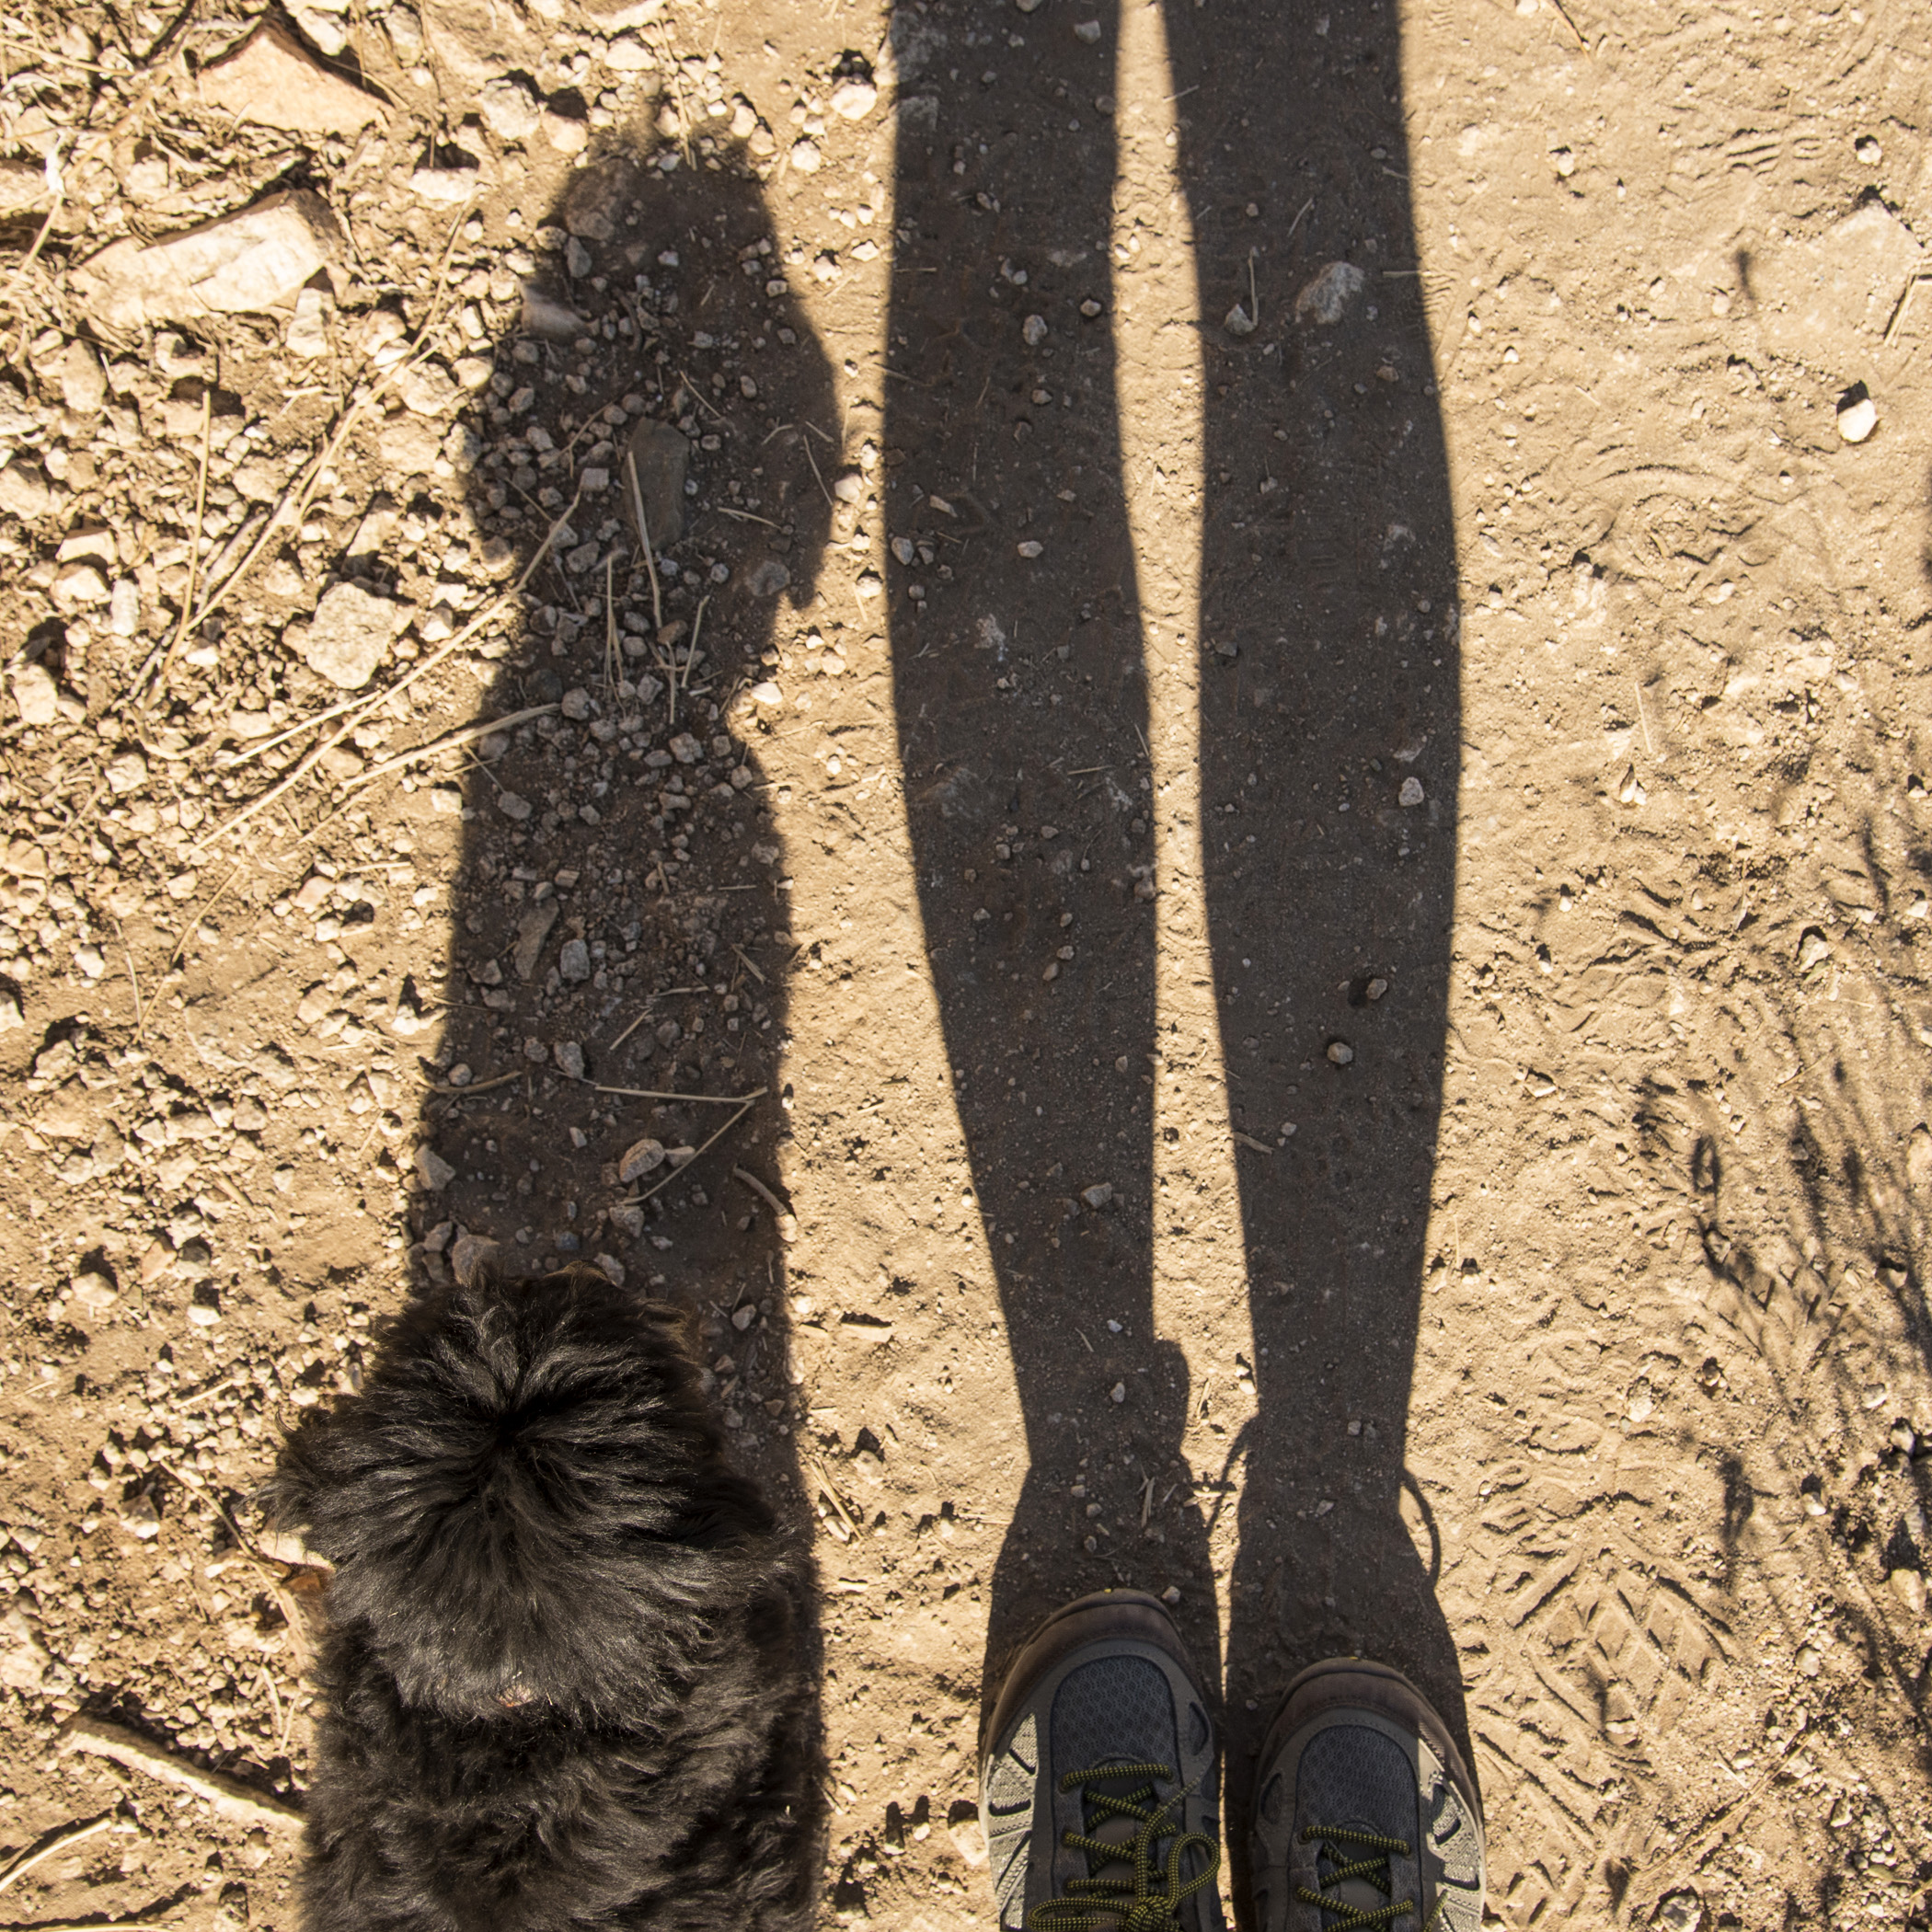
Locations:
column 564, row 1682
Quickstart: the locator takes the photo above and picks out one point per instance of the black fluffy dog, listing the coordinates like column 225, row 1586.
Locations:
column 564, row 1680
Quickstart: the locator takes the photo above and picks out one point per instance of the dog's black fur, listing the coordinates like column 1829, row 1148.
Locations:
column 564, row 1680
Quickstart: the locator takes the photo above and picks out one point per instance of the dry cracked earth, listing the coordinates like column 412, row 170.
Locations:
column 1182, row 746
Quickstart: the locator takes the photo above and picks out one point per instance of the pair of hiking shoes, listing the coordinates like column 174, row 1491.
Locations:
column 1100, row 1792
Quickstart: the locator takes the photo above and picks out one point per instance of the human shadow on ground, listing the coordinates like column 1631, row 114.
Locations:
column 617, row 919
column 1330, row 733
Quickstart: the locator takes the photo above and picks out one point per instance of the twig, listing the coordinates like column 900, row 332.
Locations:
column 649, row 1093
column 228, row 1796
column 1572, row 24
column 833, row 1498
column 610, row 625
column 467, row 735
column 1296, row 223
column 479, row 1087
column 638, row 1200
column 743, row 516
column 787, row 1221
column 751, row 962
column 650, row 562
column 194, row 548
column 1254, row 299
column 830, row 504
column 71, row 1835
column 1650, row 748
column 128, row 953
column 206, row 907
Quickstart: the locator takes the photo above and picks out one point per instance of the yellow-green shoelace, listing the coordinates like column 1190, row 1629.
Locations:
column 1373, row 1868
column 1096, row 1905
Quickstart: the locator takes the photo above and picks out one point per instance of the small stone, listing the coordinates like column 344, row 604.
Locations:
column 140, row 1518
column 1033, row 331
column 853, row 99
column 1681, row 1911
column 806, row 159
column 1087, row 30
column 1563, row 161
column 642, row 1157
column 1376, row 988
column 1326, row 296
column 36, row 694
column 767, row 576
column 444, row 187
column 566, row 133
column 80, row 586
column 1099, row 1195
column 1909, row 1587
column 23, row 185
column 568, row 1057
column 431, row 1169
column 126, row 771
column 969, row 1838
column 1857, row 418
column 849, row 487
column 573, row 962
column 656, row 458
column 1868, row 150
column 272, row 80
column 23, row 1657
column 1237, row 321
column 1902, row 1438
column 84, row 384
column 349, row 634
column 1118, row 1393
column 1813, row 949
column 1411, row 792
column 253, row 259
column 767, row 693
column 1031, row 548
column 628, row 55
column 1340, row 1053
column 307, row 335
column 1808, row 1661
column 510, row 110
column 685, row 749
column 24, row 490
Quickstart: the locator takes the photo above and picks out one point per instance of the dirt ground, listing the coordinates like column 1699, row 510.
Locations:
column 1259, row 824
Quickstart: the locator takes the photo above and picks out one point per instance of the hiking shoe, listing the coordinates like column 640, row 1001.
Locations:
column 1365, row 1815
column 1100, row 1790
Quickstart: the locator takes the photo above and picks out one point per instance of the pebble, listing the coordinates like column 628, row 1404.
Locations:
column 36, row 694
column 1681, row 1911
column 1326, row 296
column 1099, row 1195
column 83, row 383
column 241, row 263
column 349, row 634
column 24, row 490
column 1411, row 792
column 573, row 962
column 1857, row 418
column 853, row 98
column 568, row 1057
column 272, row 80
column 658, row 455
column 1034, row 330
column 511, row 110
column 431, row 1169
column 1340, row 1053
column 1118, row 1393
column 641, row 1157
column 806, row 159
column 23, row 185
column 1909, row 1587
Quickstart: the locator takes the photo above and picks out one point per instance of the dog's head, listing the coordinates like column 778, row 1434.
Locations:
column 526, row 1503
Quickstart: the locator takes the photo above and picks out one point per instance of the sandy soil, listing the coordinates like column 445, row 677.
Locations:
column 1281, row 753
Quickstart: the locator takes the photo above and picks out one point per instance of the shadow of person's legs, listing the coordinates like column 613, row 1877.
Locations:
column 616, row 932
column 1330, row 764
column 1022, row 713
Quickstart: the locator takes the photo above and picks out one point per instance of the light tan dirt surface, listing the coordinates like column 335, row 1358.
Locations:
column 1280, row 738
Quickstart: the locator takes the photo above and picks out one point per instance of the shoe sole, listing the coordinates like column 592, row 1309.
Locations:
column 1105, row 1616
column 1356, row 1684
